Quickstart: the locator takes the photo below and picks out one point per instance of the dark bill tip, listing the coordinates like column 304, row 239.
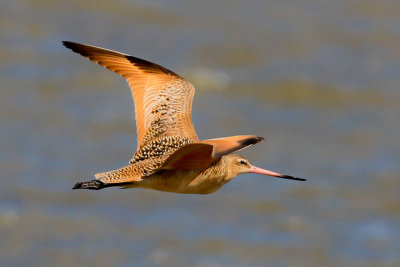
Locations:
column 289, row 177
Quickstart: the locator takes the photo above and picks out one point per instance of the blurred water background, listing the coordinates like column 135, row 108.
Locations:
column 318, row 79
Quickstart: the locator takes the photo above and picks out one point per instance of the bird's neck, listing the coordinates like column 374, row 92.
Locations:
column 221, row 171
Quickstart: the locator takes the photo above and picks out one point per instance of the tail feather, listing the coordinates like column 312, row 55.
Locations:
column 91, row 185
column 97, row 185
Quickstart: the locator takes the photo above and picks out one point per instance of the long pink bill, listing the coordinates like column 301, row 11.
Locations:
column 274, row 174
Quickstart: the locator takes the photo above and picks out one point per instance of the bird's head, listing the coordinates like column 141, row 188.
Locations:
column 239, row 165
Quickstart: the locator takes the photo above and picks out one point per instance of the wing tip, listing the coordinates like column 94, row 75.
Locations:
column 251, row 141
column 144, row 65
column 69, row 44
column 76, row 47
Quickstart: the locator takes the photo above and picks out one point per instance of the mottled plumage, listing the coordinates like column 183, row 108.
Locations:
column 169, row 157
column 160, row 146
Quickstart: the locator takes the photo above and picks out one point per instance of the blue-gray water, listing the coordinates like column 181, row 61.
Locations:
column 318, row 79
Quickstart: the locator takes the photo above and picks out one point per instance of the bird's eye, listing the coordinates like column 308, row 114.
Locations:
column 242, row 162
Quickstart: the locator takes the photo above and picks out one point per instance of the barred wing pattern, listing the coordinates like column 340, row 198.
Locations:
column 163, row 99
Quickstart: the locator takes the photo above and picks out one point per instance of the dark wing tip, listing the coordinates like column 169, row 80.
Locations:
column 69, row 44
column 284, row 176
column 149, row 67
column 84, row 50
column 144, row 65
column 260, row 139
column 251, row 141
column 76, row 47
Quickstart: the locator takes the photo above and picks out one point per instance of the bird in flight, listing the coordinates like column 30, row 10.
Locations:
column 170, row 157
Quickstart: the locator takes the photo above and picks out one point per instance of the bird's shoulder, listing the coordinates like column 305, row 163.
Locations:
column 161, row 146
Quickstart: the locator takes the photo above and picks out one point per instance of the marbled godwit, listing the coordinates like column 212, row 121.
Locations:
column 169, row 157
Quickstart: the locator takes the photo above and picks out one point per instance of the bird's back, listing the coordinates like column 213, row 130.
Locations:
column 161, row 146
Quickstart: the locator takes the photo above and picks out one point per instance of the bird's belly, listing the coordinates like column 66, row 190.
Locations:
column 184, row 182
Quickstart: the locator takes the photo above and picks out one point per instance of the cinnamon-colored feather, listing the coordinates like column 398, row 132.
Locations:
column 190, row 157
column 131, row 173
column 226, row 145
column 201, row 155
column 163, row 99
column 169, row 157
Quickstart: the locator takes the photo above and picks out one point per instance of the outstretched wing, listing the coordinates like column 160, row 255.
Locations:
column 226, row 145
column 201, row 155
column 163, row 99
column 195, row 156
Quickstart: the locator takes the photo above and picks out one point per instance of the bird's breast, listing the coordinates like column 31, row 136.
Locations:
column 185, row 182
